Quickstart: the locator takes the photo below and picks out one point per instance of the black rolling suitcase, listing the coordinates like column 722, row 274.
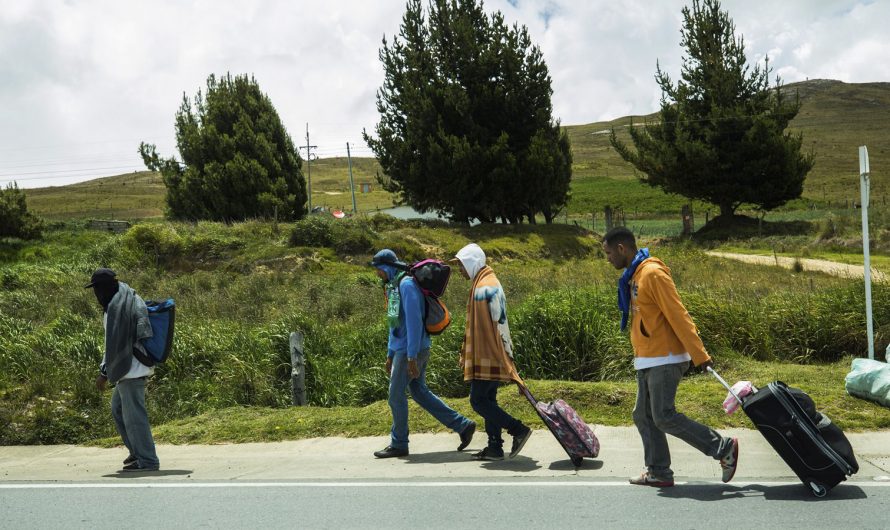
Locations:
column 815, row 449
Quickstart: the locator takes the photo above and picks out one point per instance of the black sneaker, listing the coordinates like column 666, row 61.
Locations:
column 129, row 460
column 467, row 436
column 519, row 442
column 391, row 452
column 489, row 453
column 135, row 467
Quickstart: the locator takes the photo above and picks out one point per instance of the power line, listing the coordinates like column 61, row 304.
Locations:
column 70, row 162
column 65, row 171
column 98, row 142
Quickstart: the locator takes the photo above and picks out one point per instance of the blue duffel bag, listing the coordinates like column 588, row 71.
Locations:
column 162, row 316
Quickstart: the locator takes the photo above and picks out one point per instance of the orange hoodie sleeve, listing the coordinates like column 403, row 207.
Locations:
column 668, row 299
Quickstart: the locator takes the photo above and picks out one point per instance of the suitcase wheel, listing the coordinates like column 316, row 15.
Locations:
column 817, row 489
column 577, row 461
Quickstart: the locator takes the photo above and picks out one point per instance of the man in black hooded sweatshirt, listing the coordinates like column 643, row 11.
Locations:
column 127, row 366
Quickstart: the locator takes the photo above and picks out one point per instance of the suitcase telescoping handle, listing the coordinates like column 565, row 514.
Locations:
column 527, row 393
column 724, row 383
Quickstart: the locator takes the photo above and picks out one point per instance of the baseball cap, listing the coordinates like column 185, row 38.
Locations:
column 386, row 257
column 101, row 276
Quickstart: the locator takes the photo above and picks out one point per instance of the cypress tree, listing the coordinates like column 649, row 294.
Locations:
column 721, row 135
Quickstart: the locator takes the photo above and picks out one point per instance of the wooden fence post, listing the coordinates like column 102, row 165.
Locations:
column 607, row 214
column 298, row 368
column 687, row 219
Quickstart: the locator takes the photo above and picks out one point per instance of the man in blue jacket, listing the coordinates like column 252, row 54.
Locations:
column 408, row 353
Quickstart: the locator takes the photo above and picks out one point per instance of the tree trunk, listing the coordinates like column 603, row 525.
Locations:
column 727, row 210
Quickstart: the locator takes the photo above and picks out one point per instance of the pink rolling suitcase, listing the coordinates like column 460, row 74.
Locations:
column 572, row 433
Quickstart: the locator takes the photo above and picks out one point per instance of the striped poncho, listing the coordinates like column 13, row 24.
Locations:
column 487, row 352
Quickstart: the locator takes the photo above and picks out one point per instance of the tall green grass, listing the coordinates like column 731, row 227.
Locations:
column 242, row 289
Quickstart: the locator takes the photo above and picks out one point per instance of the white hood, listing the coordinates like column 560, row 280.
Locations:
column 473, row 259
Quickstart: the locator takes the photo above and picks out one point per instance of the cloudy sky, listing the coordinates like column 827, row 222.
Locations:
column 83, row 82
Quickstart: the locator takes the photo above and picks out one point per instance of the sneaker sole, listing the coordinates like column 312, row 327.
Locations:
column 384, row 457
column 654, row 484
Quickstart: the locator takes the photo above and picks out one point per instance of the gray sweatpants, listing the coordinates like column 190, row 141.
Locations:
column 131, row 421
column 655, row 416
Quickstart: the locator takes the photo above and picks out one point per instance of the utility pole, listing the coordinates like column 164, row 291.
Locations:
column 309, row 149
column 351, row 184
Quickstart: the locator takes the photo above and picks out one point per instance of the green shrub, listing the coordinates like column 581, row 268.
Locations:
column 346, row 236
column 313, row 231
column 407, row 250
column 15, row 219
column 160, row 243
column 354, row 237
column 382, row 222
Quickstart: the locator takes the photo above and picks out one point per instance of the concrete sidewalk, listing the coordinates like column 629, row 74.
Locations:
column 433, row 456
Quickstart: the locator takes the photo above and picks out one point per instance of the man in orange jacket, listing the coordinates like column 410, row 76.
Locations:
column 665, row 341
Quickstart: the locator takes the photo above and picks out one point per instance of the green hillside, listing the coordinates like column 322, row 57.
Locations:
column 835, row 118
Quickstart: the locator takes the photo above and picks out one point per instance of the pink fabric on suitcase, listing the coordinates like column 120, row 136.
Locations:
column 741, row 389
column 571, row 430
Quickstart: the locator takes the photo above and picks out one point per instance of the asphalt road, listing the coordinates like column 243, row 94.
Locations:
column 337, row 483
column 500, row 503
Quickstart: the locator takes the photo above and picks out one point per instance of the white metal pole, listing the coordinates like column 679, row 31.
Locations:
column 864, row 191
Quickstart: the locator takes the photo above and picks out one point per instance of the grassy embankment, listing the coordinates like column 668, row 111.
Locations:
column 241, row 290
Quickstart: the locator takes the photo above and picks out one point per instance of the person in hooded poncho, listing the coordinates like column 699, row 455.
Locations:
column 408, row 353
column 486, row 356
column 665, row 341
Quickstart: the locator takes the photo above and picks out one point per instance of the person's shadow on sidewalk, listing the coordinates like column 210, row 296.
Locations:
column 790, row 492
column 440, row 457
column 148, row 474
column 520, row 463
column 567, row 465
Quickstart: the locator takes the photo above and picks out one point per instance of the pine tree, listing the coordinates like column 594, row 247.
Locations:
column 238, row 161
column 721, row 135
column 466, row 126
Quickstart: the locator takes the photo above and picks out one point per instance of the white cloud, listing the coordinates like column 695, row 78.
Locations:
column 83, row 82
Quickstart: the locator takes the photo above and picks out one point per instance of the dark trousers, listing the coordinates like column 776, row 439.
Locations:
column 484, row 399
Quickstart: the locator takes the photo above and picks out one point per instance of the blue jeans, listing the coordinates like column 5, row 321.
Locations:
column 484, row 399
column 655, row 416
column 398, row 401
column 131, row 420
